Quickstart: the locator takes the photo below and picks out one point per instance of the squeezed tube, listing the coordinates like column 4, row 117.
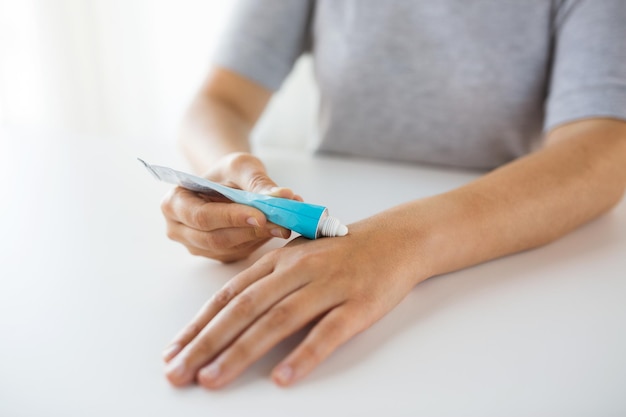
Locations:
column 309, row 220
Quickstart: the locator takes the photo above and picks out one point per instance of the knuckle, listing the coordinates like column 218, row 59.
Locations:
column 241, row 160
column 170, row 232
column 258, row 181
column 271, row 257
column 166, row 204
column 190, row 331
column 243, row 305
column 199, row 218
column 194, row 251
column 223, row 297
column 309, row 260
column 232, row 215
column 240, row 351
column 279, row 316
column 372, row 300
column 235, row 162
column 216, row 241
column 336, row 329
column 310, row 353
column 268, row 260
column 203, row 348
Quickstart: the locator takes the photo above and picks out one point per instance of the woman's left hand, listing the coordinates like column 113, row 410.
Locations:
column 343, row 284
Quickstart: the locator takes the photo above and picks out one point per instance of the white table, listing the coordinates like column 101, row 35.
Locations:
column 91, row 291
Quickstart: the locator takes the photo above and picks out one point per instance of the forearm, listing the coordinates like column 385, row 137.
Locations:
column 221, row 118
column 211, row 130
column 524, row 204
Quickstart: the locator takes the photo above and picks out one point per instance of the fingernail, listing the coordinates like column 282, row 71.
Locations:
column 210, row 372
column 171, row 351
column 176, row 368
column 277, row 233
column 253, row 222
column 283, row 374
column 273, row 190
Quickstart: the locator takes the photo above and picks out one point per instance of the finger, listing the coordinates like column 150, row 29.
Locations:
column 283, row 319
column 227, row 324
column 224, row 327
column 335, row 328
column 216, row 303
column 225, row 245
column 280, row 192
column 186, row 207
column 227, row 256
column 249, row 173
column 221, row 240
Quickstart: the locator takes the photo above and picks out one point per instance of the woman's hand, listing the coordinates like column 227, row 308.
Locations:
column 343, row 284
column 217, row 228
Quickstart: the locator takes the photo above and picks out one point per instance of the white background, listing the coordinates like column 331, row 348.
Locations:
column 123, row 68
column 91, row 291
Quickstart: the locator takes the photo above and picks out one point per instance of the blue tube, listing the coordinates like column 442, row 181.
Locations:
column 310, row 220
column 300, row 217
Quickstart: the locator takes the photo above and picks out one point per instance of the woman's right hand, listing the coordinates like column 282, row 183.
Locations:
column 218, row 228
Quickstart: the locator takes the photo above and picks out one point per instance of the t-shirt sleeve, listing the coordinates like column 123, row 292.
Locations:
column 589, row 69
column 264, row 39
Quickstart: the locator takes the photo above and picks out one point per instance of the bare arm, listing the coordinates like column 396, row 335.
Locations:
column 221, row 117
column 214, row 138
column 578, row 175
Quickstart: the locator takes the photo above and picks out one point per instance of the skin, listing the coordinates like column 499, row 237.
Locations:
column 577, row 175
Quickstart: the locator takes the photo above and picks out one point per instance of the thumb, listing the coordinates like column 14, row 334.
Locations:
column 262, row 184
column 252, row 176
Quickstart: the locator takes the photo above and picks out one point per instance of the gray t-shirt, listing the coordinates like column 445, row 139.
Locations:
column 471, row 83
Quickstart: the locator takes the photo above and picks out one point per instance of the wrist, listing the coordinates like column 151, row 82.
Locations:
column 430, row 236
column 402, row 239
column 457, row 230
